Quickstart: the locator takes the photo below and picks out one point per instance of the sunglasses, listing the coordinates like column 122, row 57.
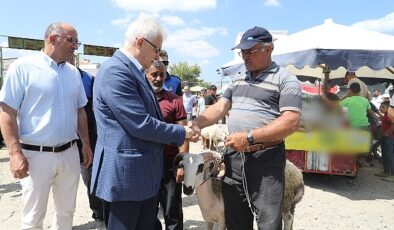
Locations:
column 165, row 63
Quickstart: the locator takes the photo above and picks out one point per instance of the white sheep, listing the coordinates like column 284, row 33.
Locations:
column 199, row 170
column 214, row 134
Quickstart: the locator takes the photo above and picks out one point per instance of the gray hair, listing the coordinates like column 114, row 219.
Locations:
column 158, row 64
column 147, row 27
column 54, row 28
column 265, row 44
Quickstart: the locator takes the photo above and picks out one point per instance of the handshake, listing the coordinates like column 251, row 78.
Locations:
column 193, row 132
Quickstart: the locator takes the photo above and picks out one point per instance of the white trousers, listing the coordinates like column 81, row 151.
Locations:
column 59, row 171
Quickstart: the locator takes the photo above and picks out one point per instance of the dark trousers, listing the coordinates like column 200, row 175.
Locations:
column 130, row 215
column 387, row 144
column 96, row 205
column 265, row 183
column 170, row 199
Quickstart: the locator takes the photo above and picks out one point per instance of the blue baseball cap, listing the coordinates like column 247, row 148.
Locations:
column 253, row 37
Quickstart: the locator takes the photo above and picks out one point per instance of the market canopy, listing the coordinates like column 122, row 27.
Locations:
column 339, row 47
column 336, row 45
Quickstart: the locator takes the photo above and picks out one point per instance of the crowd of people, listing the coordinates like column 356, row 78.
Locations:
column 367, row 112
column 123, row 128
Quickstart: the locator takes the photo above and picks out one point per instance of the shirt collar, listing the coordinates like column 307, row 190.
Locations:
column 273, row 68
column 132, row 59
column 49, row 60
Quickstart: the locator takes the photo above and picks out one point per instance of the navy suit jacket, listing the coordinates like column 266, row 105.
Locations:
column 128, row 160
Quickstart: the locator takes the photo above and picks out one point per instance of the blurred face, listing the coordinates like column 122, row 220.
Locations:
column 203, row 93
column 186, row 90
column 156, row 78
column 150, row 50
column 383, row 108
column 212, row 91
column 65, row 43
column 164, row 60
column 376, row 93
column 257, row 57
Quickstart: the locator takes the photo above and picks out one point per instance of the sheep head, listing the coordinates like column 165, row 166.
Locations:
column 196, row 167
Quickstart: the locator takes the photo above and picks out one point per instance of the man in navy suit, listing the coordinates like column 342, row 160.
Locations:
column 128, row 159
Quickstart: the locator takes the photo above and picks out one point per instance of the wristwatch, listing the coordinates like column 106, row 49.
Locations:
column 250, row 138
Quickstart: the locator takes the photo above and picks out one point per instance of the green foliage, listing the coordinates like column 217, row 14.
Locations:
column 189, row 74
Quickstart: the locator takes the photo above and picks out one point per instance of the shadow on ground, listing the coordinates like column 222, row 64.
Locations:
column 88, row 225
column 12, row 187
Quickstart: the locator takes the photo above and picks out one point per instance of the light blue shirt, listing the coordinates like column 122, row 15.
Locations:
column 47, row 97
column 189, row 101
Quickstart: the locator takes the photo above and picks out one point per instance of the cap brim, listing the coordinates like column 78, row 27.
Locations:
column 245, row 45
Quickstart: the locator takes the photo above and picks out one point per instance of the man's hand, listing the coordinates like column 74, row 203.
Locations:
column 192, row 134
column 19, row 165
column 196, row 129
column 237, row 141
column 87, row 156
column 179, row 175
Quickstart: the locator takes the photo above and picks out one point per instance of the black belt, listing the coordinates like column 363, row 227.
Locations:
column 56, row 149
column 259, row 147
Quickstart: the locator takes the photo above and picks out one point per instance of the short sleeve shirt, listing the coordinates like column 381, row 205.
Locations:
column 189, row 100
column 172, row 108
column 46, row 96
column 357, row 107
column 256, row 103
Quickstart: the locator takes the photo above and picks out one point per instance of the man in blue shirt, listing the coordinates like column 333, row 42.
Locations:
column 172, row 82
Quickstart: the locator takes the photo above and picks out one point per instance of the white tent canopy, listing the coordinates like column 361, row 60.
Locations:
column 340, row 47
column 331, row 35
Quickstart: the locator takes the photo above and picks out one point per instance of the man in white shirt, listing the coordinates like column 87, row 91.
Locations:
column 42, row 102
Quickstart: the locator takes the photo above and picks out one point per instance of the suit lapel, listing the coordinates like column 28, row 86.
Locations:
column 141, row 78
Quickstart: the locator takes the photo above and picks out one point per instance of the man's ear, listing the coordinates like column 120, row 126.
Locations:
column 139, row 41
column 52, row 38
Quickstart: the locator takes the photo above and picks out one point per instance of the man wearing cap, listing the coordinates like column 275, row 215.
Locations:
column 172, row 83
column 265, row 108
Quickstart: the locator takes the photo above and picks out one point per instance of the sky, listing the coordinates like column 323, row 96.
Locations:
column 199, row 32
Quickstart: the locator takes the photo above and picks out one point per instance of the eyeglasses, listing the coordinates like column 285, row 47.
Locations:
column 70, row 39
column 243, row 53
column 153, row 45
column 165, row 63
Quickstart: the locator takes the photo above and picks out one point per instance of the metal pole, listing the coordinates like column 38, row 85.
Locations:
column 77, row 64
column 1, row 66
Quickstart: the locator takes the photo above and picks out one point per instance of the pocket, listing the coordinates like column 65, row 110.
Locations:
column 134, row 169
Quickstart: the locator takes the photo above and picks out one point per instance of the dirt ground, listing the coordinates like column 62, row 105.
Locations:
column 330, row 202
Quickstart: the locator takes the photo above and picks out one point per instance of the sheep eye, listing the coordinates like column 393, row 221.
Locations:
column 200, row 168
column 211, row 166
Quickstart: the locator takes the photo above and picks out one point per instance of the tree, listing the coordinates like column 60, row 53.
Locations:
column 189, row 74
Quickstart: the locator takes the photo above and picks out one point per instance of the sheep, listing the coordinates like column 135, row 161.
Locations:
column 214, row 134
column 294, row 191
column 201, row 168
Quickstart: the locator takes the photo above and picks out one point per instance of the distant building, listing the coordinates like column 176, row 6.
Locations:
column 89, row 67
